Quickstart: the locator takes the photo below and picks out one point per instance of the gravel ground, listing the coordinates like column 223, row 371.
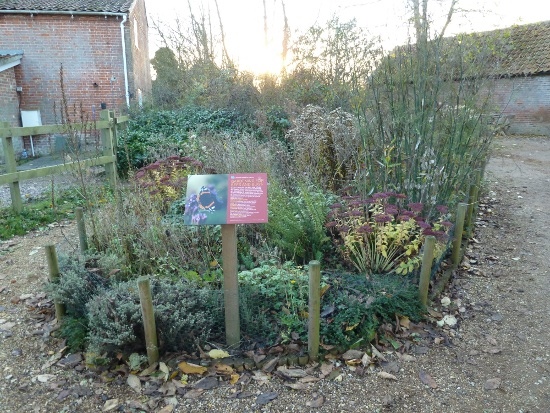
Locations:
column 495, row 359
column 32, row 189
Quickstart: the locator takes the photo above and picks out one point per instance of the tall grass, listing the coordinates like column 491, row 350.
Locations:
column 422, row 123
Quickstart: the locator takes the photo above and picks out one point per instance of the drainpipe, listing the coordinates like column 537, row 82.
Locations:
column 124, row 61
column 84, row 13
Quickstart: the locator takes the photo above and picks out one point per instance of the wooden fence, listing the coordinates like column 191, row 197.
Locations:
column 107, row 125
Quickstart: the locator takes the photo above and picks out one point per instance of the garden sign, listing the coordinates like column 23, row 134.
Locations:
column 227, row 200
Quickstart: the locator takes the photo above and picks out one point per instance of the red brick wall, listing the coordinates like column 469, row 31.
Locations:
column 9, row 102
column 90, row 49
column 9, row 108
column 139, row 63
column 526, row 102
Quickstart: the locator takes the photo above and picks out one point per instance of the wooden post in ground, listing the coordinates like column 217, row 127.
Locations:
column 11, row 166
column 108, row 145
column 473, row 198
column 231, row 285
column 426, row 269
column 148, row 315
column 314, row 310
column 53, row 276
column 81, row 225
column 459, row 229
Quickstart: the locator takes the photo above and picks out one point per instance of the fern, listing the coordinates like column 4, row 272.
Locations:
column 297, row 221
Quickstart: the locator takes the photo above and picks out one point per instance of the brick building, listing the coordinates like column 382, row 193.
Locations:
column 9, row 99
column 102, row 46
column 521, row 90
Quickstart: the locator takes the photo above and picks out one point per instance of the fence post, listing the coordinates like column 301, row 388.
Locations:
column 314, row 310
column 426, row 269
column 472, row 204
column 53, row 276
column 11, row 166
column 148, row 315
column 81, row 225
column 459, row 229
column 107, row 143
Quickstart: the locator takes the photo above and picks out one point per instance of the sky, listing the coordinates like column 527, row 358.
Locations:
column 243, row 21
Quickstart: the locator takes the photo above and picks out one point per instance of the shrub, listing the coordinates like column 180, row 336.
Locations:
column 77, row 284
column 159, row 134
column 324, row 145
column 184, row 315
column 274, row 301
column 187, row 314
column 114, row 320
column 166, row 179
column 353, row 308
column 380, row 234
column 150, row 242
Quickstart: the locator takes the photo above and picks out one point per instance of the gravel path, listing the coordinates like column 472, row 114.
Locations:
column 36, row 188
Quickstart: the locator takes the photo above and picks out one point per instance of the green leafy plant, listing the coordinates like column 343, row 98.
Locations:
column 154, row 134
column 380, row 234
column 280, row 295
column 296, row 221
column 354, row 307
column 38, row 213
column 75, row 331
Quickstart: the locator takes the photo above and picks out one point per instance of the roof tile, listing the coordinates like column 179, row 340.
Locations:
column 525, row 49
column 91, row 6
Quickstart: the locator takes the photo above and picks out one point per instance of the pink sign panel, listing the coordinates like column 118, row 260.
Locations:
column 226, row 199
column 247, row 198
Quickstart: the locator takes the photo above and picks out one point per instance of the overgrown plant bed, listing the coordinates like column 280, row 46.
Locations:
column 104, row 315
column 370, row 249
column 383, row 232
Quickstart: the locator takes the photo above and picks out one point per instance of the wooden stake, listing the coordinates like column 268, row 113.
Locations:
column 426, row 269
column 473, row 198
column 108, row 145
column 53, row 276
column 148, row 315
column 314, row 310
column 231, row 285
column 11, row 167
column 81, row 225
column 459, row 229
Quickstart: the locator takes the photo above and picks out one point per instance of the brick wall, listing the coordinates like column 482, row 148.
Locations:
column 89, row 47
column 139, row 63
column 9, row 107
column 9, row 101
column 90, row 50
column 526, row 103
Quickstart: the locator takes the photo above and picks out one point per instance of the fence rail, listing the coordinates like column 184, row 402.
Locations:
column 107, row 125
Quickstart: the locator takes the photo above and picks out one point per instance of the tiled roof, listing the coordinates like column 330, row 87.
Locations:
column 90, row 6
column 10, row 58
column 522, row 50
column 10, row 53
